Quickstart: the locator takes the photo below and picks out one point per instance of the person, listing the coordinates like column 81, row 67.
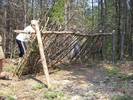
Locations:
column 23, row 37
column 2, row 56
column 75, row 51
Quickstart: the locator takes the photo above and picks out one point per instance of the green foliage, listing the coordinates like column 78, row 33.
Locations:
column 108, row 48
column 57, row 13
column 91, row 20
column 125, row 77
column 10, row 68
column 54, row 95
column 112, row 71
column 123, row 85
column 38, row 86
column 110, row 17
column 10, row 98
column 125, row 97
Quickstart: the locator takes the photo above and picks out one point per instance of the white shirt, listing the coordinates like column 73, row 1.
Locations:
column 25, row 36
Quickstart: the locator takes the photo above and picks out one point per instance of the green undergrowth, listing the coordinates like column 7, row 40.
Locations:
column 124, row 97
column 55, row 95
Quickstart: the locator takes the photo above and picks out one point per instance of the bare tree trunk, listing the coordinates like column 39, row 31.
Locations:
column 5, row 24
column 66, row 15
column 25, row 9
column 92, row 15
column 33, row 9
column 118, row 24
column 131, row 32
column 41, row 9
column 123, row 28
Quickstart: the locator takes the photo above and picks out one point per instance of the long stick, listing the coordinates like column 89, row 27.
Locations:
column 43, row 58
column 66, row 32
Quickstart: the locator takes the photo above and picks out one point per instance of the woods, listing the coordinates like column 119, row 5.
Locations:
column 86, row 16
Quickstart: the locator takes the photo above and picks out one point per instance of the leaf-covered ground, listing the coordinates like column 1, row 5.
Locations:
column 73, row 82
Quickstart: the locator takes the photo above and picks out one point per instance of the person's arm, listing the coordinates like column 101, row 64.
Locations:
column 20, row 31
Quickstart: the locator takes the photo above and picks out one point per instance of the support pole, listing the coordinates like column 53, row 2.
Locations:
column 43, row 58
column 113, row 47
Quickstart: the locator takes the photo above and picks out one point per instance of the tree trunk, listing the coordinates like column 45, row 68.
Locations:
column 131, row 31
column 118, row 30
column 66, row 15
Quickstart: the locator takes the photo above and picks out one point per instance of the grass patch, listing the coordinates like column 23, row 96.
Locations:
column 11, row 98
column 123, row 85
column 10, row 68
column 125, row 77
column 112, row 71
column 54, row 95
column 38, row 86
column 115, row 71
column 125, row 97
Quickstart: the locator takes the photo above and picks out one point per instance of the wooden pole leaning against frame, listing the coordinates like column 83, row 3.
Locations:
column 43, row 58
column 41, row 49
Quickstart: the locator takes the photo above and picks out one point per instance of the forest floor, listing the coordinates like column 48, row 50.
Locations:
column 73, row 82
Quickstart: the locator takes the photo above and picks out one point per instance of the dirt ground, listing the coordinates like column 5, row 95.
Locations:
column 73, row 82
